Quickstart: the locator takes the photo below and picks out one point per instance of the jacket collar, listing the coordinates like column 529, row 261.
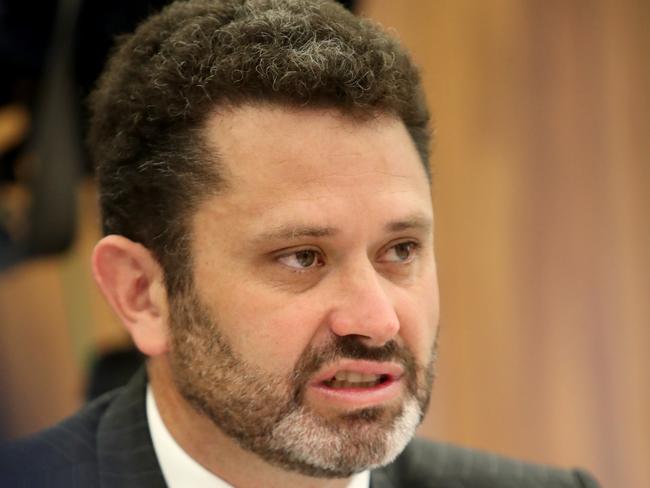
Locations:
column 125, row 452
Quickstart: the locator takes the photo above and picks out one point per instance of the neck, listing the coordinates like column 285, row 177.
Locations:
column 210, row 447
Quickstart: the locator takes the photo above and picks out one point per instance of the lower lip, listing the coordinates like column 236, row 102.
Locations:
column 356, row 398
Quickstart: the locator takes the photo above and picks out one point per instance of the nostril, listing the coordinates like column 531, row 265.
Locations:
column 373, row 323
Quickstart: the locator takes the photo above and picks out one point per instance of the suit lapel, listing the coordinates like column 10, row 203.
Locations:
column 125, row 452
column 379, row 479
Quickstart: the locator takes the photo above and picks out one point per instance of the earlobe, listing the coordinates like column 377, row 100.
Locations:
column 132, row 282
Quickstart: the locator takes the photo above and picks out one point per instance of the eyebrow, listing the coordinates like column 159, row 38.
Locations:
column 415, row 222
column 292, row 232
column 295, row 231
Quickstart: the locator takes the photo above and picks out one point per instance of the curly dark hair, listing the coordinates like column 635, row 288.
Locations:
column 149, row 108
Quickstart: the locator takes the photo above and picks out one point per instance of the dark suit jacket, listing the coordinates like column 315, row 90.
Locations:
column 108, row 444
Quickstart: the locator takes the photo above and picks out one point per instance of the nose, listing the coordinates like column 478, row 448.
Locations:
column 364, row 308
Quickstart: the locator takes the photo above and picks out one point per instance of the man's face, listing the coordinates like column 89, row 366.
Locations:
column 309, row 333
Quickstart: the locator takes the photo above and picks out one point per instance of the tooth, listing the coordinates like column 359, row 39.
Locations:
column 349, row 384
column 354, row 377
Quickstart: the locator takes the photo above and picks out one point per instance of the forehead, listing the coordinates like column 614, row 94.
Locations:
column 267, row 144
column 286, row 166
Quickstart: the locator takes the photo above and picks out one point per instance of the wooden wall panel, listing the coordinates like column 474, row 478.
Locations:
column 542, row 194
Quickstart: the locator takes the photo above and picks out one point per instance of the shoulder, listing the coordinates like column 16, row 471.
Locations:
column 63, row 455
column 429, row 464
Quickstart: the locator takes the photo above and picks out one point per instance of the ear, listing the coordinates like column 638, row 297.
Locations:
column 132, row 282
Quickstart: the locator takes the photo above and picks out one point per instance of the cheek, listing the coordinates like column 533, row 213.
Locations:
column 418, row 311
column 268, row 329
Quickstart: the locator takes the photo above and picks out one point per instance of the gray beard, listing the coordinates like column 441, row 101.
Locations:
column 266, row 413
column 310, row 447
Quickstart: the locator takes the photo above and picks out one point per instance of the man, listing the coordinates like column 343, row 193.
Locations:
column 263, row 175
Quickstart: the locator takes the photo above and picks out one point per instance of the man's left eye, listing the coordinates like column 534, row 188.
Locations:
column 403, row 252
column 303, row 259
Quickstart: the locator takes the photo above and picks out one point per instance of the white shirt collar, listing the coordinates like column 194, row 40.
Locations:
column 180, row 469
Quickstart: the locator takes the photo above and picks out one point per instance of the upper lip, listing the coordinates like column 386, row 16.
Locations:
column 393, row 370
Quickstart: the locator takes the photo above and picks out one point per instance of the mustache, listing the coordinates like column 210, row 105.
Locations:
column 352, row 347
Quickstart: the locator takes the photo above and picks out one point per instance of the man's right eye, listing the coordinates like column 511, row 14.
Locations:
column 302, row 259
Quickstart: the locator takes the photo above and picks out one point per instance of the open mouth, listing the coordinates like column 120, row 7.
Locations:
column 351, row 379
column 352, row 384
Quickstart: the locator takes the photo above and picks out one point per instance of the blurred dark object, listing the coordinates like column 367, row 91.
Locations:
column 112, row 370
column 56, row 143
column 39, row 47
column 349, row 4
column 25, row 34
